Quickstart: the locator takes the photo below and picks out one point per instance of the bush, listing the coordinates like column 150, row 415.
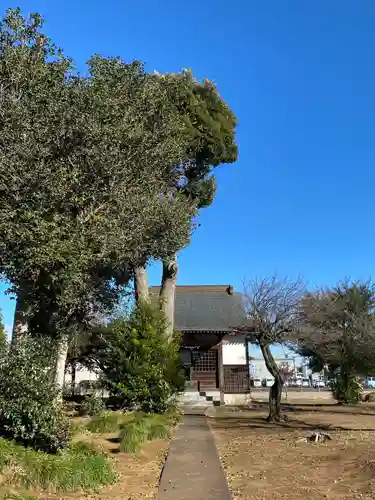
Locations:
column 81, row 468
column 29, row 410
column 141, row 367
column 92, row 405
column 346, row 389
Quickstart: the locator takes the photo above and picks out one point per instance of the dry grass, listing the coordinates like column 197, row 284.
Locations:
column 268, row 462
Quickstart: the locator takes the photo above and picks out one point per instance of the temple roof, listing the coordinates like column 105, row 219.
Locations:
column 215, row 308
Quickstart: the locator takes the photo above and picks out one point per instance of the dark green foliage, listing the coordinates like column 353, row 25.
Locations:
column 347, row 389
column 93, row 405
column 29, row 411
column 141, row 368
column 338, row 327
column 89, row 196
column 107, row 172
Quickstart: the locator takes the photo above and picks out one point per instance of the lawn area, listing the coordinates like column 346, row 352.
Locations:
column 272, row 462
column 113, row 456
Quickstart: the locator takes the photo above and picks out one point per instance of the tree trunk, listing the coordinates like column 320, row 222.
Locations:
column 140, row 283
column 73, row 381
column 168, row 291
column 20, row 324
column 62, row 353
column 275, row 402
column 277, row 387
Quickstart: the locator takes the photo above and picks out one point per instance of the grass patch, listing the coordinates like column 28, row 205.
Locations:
column 104, row 424
column 82, row 467
column 17, row 496
column 144, row 427
column 159, row 427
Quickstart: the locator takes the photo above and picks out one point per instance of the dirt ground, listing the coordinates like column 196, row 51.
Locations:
column 138, row 474
column 270, row 462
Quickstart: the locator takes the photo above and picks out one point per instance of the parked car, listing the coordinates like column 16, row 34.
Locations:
column 269, row 382
column 257, row 382
column 305, row 382
column 371, row 382
column 318, row 383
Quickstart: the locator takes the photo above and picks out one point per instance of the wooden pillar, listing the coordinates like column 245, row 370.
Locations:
column 220, row 367
column 247, row 344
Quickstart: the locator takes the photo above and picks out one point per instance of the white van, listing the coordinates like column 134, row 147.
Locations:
column 269, row 382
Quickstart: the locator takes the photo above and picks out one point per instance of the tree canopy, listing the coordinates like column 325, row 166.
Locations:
column 338, row 326
column 98, row 174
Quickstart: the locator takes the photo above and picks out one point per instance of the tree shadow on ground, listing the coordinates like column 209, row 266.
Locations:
column 327, row 408
column 227, row 423
column 290, row 425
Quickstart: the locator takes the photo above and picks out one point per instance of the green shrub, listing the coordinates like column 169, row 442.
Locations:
column 29, row 411
column 142, row 369
column 92, row 405
column 82, row 467
column 346, row 389
column 107, row 422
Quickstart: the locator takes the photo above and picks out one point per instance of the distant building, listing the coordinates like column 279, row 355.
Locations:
column 258, row 367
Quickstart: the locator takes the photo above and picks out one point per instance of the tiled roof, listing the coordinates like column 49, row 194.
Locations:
column 207, row 308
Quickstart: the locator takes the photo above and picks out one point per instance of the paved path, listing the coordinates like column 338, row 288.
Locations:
column 193, row 470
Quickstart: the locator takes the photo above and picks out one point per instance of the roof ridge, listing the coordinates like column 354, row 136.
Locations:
column 195, row 286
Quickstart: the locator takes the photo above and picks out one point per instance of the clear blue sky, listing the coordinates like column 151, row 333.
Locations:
column 300, row 76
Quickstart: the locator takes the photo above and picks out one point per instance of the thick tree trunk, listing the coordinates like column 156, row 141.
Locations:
column 21, row 321
column 168, row 291
column 275, row 402
column 277, row 387
column 62, row 353
column 140, row 283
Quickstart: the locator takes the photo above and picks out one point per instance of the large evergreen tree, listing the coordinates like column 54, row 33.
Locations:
column 90, row 170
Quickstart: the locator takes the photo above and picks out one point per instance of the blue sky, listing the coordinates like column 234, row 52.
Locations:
column 300, row 77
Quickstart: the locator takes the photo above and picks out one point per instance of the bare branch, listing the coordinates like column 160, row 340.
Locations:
column 272, row 306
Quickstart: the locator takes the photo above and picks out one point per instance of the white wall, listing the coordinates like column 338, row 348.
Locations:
column 237, row 399
column 81, row 374
column 258, row 367
column 234, row 351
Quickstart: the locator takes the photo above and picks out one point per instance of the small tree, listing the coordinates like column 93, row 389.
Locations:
column 337, row 326
column 271, row 308
column 140, row 365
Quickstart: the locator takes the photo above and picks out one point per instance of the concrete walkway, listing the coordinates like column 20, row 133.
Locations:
column 193, row 470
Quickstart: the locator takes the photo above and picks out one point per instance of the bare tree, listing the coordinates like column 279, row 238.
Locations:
column 272, row 305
